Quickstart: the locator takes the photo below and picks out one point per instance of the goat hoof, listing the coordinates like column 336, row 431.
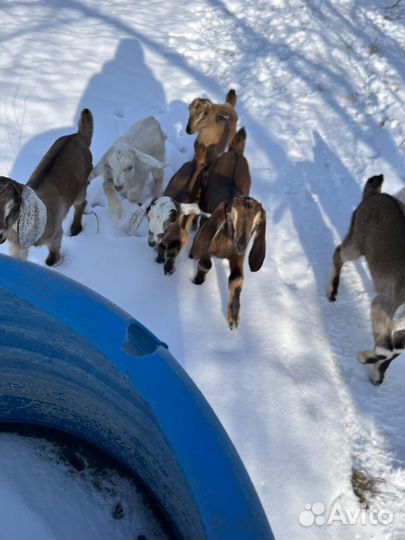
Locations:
column 74, row 231
column 53, row 260
column 198, row 280
column 233, row 323
column 169, row 271
column 375, row 382
column 160, row 259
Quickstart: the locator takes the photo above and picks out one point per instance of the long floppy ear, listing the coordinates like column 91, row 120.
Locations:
column 32, row 218
column 99, row 168
column 147, row 160
column 205, row 235
column 192, row 208
column 137, row 217
column 258, row 251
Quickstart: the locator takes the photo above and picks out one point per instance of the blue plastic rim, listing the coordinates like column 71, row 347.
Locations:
column 71, row 360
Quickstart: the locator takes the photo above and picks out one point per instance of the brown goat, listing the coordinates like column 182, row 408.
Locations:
column 214, row 123
column 377, row 232
column 32, row 214
column 226, row 234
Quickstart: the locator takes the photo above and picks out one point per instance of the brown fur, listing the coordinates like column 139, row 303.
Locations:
column 214, row 123
column 185, row 184
column 60, row 181
column 377, row 232
column 226, row 234
column 228, row 176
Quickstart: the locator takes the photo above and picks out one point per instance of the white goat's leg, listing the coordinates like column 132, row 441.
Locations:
column 112, row 198
column 16, row 251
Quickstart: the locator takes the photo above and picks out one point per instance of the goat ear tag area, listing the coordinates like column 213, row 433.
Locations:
column 32, row 220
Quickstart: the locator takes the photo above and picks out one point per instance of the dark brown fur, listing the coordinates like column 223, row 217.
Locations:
column 60, row 181
column 228, row 176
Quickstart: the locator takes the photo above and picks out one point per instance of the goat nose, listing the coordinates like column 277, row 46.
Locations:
column 118, row 188
column 188, row 129
column 152, row 243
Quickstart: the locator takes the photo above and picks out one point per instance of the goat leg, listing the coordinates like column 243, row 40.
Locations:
column 204, row 266
column 334, row 276
column 235, row 284
column 379, row 369
column 16, row 251
column 54, row 257
column 76, row 226
column 160, row 254
column 172, row 250
column 112, row 198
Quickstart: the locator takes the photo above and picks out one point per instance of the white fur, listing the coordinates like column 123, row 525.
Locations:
column 158, row 215
column 127, row 164
column 32, row 219
column 7, row 209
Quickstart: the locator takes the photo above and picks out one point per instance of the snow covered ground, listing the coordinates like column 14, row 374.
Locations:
column 45, row 495
column 321, row 94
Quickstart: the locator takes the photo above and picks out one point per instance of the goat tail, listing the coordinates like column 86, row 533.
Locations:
column 86, row 125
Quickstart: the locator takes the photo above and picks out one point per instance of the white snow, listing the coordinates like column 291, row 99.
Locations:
column 43, row 496
column 321, row 94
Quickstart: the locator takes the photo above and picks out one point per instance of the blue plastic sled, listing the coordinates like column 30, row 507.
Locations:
column 71, row 360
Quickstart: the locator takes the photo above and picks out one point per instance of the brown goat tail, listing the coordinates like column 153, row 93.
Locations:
column 85, row 125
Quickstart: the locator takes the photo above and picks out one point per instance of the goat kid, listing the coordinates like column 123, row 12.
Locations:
column 128, row 162
column 167, row 234
column 377, row 232
column 226, row 235
column 32, row 214
column 214, row 123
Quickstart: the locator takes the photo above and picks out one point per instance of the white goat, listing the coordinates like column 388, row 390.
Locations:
column 128, row 162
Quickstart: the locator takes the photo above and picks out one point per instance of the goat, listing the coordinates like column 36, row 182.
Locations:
column 226, row 234
column 214, row 123
column 32, row 214
column 377, row 232
column 128, row 162
column 167, row 233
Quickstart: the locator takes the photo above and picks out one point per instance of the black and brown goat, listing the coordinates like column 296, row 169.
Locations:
column 226, row 234
column 235, row 218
